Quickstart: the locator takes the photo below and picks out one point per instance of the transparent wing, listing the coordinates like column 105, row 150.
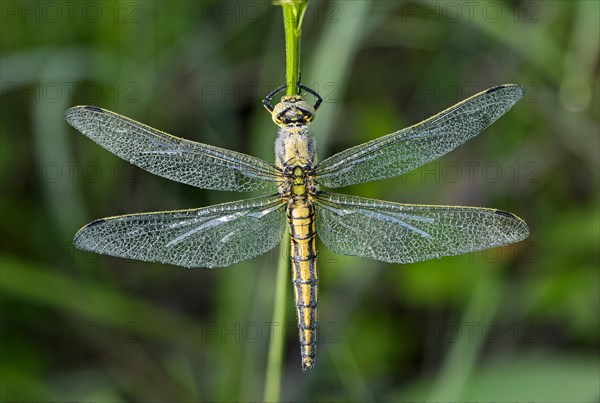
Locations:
column 414, row 146
column 174, row 158
column 214, row 236
column 407, row 233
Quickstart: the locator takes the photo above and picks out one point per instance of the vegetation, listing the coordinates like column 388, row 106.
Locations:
column 519, row 323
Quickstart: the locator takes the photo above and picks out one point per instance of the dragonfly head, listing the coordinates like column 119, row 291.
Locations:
column 292, row 111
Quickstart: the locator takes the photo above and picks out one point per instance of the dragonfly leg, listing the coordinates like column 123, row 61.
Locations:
column 313, row 93
column 268, row 101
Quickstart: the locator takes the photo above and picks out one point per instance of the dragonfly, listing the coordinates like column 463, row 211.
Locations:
column 223, row 234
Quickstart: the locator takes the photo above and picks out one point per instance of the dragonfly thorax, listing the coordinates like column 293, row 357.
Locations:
column 292, row 111
column 299, row 183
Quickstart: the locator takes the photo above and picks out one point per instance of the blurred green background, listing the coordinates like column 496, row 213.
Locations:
column 519, row 323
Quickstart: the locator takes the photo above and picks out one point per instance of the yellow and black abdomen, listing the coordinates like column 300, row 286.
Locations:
column 301, row 217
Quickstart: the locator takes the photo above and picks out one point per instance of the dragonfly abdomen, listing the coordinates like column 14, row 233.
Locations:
column 301, row 218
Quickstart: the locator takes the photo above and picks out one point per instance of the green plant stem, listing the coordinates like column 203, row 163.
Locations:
column 293, row 12
column 274, row 364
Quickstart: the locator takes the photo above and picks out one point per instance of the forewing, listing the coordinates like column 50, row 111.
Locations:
column 171, row 157
column 214, row 236
column 414, row 146
column 407, row 233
